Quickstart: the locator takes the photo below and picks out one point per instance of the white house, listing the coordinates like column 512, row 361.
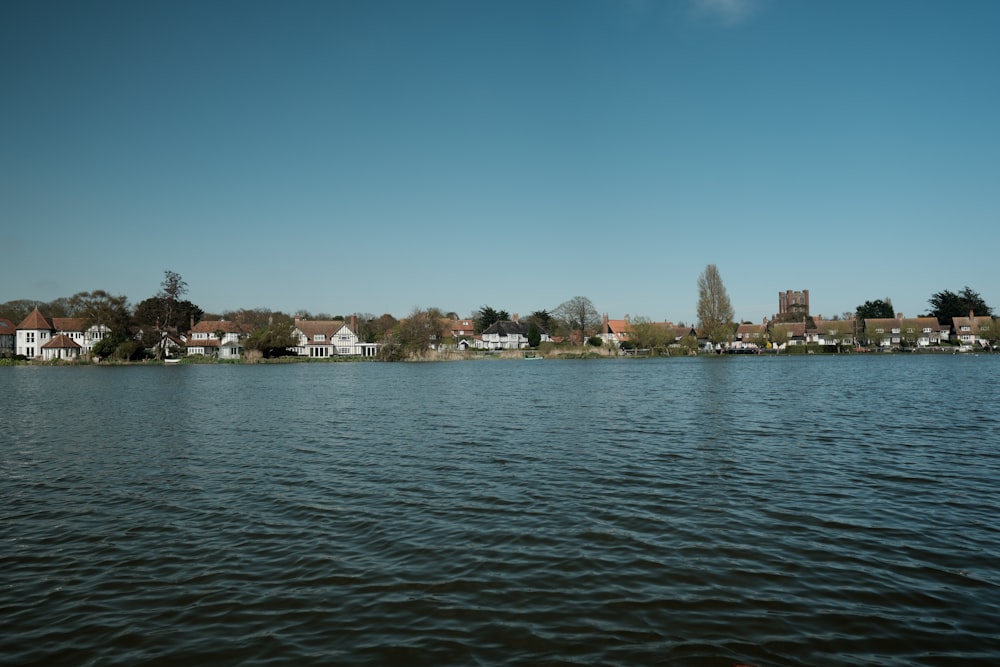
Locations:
column 972, row 330
column 61, row 346
column 508, row 335
column 36, row 330
column 331, row 338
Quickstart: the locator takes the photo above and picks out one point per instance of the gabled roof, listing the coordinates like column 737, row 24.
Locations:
column 976, row 322
column 7, row 327
column 61, row 341
column 35, row 320
column 311, row 328
column 462, row 327
column 68, row 323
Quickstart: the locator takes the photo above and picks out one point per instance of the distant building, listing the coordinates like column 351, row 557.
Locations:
column 794, row 303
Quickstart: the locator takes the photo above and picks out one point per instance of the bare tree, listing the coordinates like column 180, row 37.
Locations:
column 715, row 312
column 578, row 314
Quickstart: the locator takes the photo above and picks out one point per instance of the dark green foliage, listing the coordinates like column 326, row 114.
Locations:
column 486, row 316
column 273, row 340
column 156, row 313
column 947, row 305
column 534, row 335
column 879, row 308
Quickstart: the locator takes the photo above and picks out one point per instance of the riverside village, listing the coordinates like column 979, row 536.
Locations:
column 96, row 327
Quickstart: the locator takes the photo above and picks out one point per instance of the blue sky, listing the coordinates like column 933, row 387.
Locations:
column 379, row 156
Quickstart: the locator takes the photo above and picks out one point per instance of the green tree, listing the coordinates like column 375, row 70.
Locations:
column 879, row 308
column 991, row 333
column 534, row 335
column 578, row 315
column 417, row 334
column 645, row 334
column 779, row 334
column 947, row 305
column 715, row 312
column 688, row 344
column 540, row 317
column 273, row 339
column 486, row 316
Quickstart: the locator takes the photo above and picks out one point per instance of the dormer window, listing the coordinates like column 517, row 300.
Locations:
column 320, row 337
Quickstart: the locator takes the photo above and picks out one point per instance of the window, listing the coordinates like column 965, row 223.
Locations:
column 29, row 337
column 320, row 337
column 880, row 331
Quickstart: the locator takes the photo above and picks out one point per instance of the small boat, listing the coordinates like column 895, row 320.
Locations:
column 532, row 356
column 171, row 361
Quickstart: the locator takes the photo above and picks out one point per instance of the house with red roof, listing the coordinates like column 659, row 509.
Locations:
column 35, row 331
column 217, row 338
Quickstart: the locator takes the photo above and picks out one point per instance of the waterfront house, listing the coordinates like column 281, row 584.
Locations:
column 462, row 328
column 33, row 332
column 330, row 338
column 8, row 338
column 61, row 346
column 909, row 331
column 217, row 338
column 749, row 337
column 509, row 335
column 831, row 332
column 972, row 330
column 36, row 330
column 615, row 332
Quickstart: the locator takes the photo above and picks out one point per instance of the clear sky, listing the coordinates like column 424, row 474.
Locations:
column 374, row 156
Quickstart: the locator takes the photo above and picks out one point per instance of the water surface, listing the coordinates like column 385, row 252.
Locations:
column 779, row 511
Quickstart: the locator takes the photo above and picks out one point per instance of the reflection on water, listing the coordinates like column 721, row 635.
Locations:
column 794, row 511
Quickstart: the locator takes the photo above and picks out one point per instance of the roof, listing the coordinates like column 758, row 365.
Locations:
column 7, row 327
column 68, row 323
column 61, row 341
column 507, row 328
column 225, row 326
column 975, row 321
column 311, row 328
column 35, row 320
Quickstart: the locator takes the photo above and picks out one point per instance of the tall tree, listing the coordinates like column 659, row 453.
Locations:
column 947, row 305
column 715, row 312
column 172, row 289
column 578, row 315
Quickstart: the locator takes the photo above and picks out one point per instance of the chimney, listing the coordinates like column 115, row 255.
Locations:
column 516, row 317
column 354, row 322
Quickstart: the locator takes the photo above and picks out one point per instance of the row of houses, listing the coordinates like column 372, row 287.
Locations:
column 890, row 332
column 41, row 337
column 46, row 338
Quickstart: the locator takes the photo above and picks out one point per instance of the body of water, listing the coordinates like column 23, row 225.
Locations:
column 836, row 510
